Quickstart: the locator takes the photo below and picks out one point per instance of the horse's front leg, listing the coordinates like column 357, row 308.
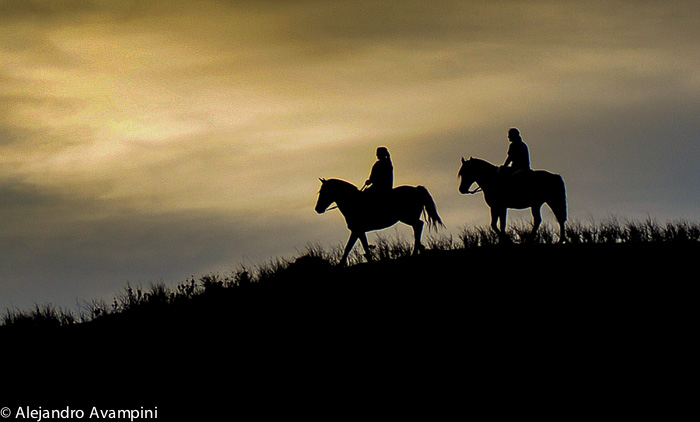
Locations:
column 365, row 246
column 348, row 248
column 536, row 220
column 500, row 228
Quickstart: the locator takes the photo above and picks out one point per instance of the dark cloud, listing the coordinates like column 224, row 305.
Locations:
column 15, row 195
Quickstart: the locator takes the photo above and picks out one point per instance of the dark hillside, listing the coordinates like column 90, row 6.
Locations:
column 541, row 327
column 518, row 283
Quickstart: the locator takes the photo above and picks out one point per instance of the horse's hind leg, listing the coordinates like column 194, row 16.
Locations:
column 536, row 220
column 562, row 231
column 561, row 218
column 560, row 214
column 494, row 221
column 417, row 233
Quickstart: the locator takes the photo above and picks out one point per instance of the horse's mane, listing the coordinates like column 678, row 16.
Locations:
column 480, row 163
column 340, row 184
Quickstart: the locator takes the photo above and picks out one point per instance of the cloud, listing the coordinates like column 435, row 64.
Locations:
column 131, row 129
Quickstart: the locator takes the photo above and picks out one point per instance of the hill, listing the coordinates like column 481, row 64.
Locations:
column 527, row 328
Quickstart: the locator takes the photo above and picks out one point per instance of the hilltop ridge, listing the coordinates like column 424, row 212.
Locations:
column 512, row 278
column 413, row 335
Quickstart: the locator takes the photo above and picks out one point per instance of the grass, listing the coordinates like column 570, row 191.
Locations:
column 135, row 300
column 46, row 316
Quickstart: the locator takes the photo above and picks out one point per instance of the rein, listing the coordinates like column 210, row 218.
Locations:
column 472, row 192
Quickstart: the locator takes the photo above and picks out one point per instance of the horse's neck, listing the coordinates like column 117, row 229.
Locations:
column 346, row 191
column 486, row 175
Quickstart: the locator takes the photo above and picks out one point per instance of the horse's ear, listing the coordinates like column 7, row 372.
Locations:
column 463, row 160
column 470, row 158
column 322, row 180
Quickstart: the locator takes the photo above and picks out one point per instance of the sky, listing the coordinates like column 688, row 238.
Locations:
column 151, row 141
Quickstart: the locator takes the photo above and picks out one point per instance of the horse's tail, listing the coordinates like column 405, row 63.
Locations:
column 429, row 209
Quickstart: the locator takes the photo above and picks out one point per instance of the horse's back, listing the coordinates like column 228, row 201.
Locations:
column 544, row 173
column 406, row 188
column 406, row 192
column 407, row 197
column 546, row 176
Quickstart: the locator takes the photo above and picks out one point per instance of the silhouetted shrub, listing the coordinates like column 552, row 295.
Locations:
column 242, row 278
column 211, row 283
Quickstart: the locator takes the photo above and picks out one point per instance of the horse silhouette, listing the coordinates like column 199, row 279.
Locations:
column 366, row 212
column 527, row 189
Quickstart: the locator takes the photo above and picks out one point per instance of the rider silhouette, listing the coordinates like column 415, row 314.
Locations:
column 381, row 178
column 518, row 154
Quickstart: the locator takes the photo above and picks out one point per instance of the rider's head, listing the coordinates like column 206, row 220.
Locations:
column 382, row 153
column 514, row 135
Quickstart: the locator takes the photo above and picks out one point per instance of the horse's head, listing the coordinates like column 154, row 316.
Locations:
column 466, row 175
column 475, row 170
column 324, row 200
column 333, row 190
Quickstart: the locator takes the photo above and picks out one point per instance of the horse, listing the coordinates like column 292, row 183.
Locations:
column 525, row 189
column 369, row 211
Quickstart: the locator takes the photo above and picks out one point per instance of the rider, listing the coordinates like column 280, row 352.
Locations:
column 381, row 178
column 518, row 154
